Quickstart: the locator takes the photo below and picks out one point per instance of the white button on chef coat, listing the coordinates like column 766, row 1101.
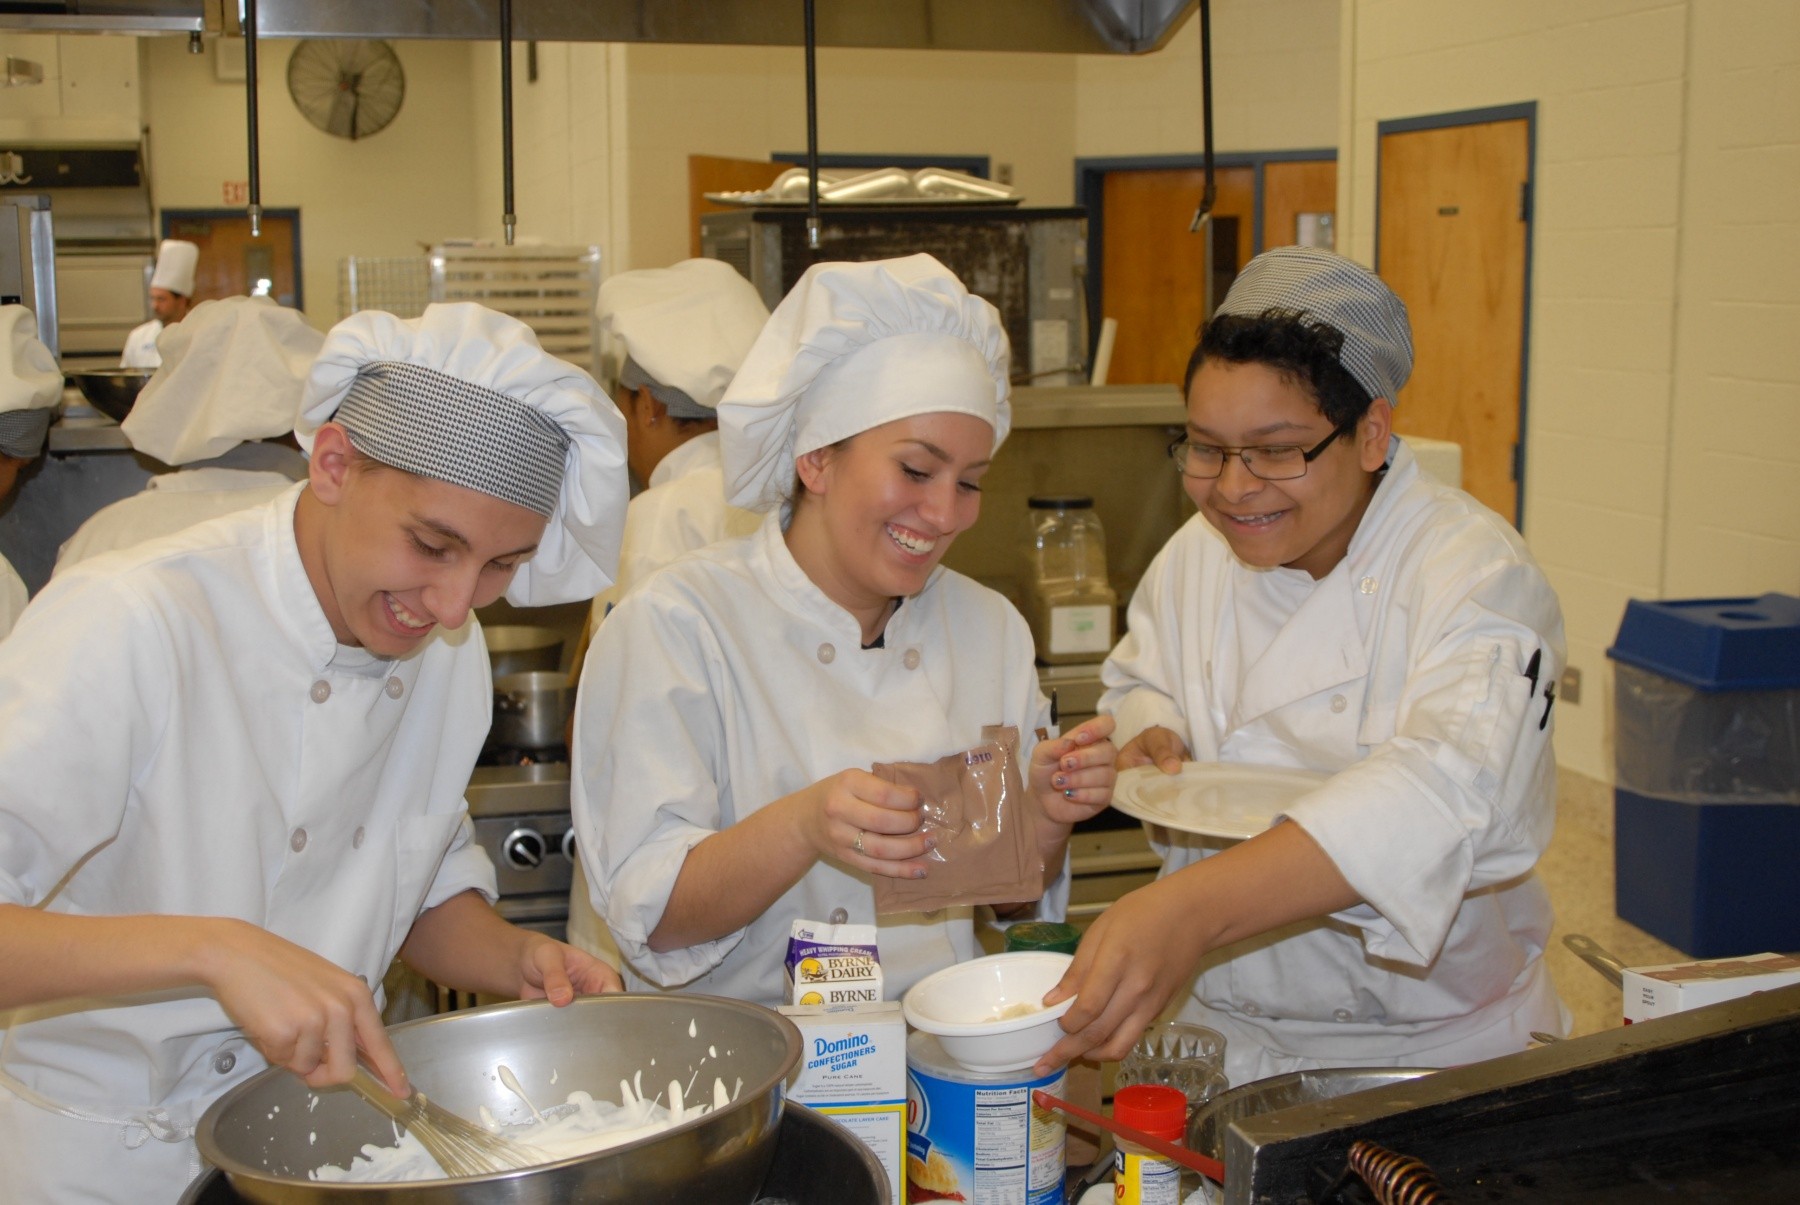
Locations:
column 911, row 659
column 321, row 691
column 827, row 653
column 227, row 757
column 1442, row 787
column 696, row 710
column 297, row 842
column 395, row 688
column 357, row 840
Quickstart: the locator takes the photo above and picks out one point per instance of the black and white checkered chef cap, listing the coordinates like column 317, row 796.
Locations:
column 1332, row 291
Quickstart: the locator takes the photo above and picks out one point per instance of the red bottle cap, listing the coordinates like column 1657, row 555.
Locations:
column 1153, row 1108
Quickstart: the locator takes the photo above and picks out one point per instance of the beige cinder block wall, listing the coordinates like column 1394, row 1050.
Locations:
column 1664, row 395
column 381, row 195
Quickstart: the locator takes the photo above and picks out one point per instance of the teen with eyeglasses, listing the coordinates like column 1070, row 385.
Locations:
column 1332, row 608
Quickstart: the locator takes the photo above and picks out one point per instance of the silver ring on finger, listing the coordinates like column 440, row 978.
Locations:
column 857, row 845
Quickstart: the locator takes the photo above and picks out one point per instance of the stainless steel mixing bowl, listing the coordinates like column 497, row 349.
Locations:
column 112, row 391
column 270, row 1131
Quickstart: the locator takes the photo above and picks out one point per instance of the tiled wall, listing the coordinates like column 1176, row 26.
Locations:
column 1664, row 388
column 1275, row 85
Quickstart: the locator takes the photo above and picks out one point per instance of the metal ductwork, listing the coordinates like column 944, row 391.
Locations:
column 1043, row 26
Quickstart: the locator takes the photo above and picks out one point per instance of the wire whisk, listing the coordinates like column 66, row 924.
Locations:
column 460, row 1147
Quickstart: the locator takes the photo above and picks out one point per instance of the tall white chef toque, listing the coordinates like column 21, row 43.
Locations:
column 30, row 384
column 176, row 260
column 232, row 370
column 465, row 395
column 853, row 346
column 680, row 331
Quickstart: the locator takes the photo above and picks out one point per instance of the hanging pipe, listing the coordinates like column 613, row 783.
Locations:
column 248, row 16
column 1203, row 215
column 508, row 219
column 814, row 235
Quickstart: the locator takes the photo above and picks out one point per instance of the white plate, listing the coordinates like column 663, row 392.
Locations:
column 1213, row 799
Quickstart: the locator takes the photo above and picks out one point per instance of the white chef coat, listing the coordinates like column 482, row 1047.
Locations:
column 168, row 503
column 140, row 346
column 682, row 509
column 13, row 596
column 1402, row 674
column 183, row 735
column 729, row 680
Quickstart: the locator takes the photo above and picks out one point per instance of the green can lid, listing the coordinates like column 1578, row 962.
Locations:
column 1043, row 935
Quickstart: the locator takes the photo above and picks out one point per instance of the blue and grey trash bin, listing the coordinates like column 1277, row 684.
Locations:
column 1707, row 782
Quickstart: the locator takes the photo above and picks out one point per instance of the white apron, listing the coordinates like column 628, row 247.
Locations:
column 197, row 743
column 729, row 680
column 1403, row 673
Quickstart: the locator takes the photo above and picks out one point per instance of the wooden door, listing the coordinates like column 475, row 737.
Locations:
column 1153, row 268
column 231, row 262
column 713, row 173
column 1292, row 187
column 1452, row 215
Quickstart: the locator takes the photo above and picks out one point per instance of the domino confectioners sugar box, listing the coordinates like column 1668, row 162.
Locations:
column 1658, row 991
column 853, row 1069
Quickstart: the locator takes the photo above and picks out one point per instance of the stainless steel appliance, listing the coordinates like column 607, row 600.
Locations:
column 1031, row 263
column 28, row 261
column 521, row 815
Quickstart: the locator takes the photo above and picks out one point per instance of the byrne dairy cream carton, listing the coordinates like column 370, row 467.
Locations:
column 832, row 964
column 853, row 1068
column 1658, row 991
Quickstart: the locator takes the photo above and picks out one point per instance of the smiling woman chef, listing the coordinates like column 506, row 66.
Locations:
column 732, row 705
column 234, row 757
column 1330, row 608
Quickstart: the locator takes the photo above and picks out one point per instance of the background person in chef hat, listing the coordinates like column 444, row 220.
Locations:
column 237, row 754
column 231, row 372
column 676, row 336
column 732, row 704
column 1332, row 608
column 171, row 297
column 30, row 386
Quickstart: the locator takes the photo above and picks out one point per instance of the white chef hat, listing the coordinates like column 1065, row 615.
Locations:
column 853, row 346
column 175, row 264
column 231, row 370
column 30, row 384
column 466, row 395
column 681, row 331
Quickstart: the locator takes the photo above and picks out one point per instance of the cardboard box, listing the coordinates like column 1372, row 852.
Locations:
column 853, row 1069
column 1657, row 991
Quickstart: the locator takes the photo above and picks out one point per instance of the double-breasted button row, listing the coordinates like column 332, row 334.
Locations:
column 321, row 690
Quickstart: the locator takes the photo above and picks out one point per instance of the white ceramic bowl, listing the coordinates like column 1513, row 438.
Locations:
column 965, row 1008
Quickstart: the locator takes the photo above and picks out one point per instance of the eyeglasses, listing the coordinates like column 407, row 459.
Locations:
column 1271, row 462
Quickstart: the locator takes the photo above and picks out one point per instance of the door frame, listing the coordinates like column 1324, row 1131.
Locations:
column 1526, row 110
column 171, row 216
column 1090, row 193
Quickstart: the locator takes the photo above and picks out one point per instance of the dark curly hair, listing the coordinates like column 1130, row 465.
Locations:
column 1301, row 350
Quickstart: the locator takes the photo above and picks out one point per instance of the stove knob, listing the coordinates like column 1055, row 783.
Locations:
column 568, row 845
column 524, row 848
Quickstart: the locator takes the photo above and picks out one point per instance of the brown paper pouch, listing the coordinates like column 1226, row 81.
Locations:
column 976, row 805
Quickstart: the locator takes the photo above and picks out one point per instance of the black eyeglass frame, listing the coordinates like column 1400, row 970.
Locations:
column 1307, row 455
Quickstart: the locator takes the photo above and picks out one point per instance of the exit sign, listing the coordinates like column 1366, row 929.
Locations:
column 237, row 192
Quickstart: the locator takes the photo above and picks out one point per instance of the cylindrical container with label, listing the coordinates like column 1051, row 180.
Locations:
column 1068, row 601
column 976, row 1136
column 1141, row 1176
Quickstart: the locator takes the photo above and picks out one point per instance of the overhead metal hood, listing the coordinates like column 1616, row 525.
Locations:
column 1044, row 26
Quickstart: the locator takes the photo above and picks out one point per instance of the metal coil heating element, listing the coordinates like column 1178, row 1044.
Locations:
column 1395, row 1179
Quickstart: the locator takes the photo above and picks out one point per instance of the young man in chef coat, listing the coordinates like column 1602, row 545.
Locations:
column 30, row 386
column 677, row 336
column 171, row 297
column 1332, row 609
column 232, row 372
column 235, row 757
